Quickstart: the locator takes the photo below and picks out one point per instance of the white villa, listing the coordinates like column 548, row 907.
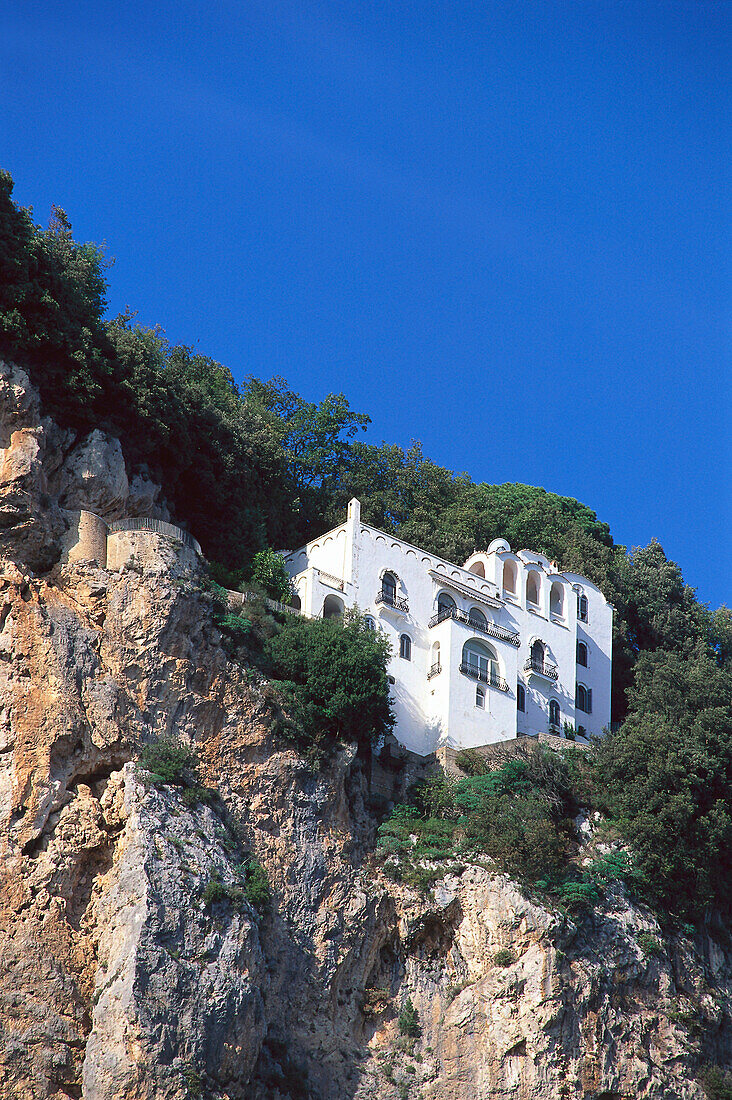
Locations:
column 505, row 646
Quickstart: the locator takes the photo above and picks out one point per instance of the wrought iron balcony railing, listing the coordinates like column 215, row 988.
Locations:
column 480, row 626
column 541, row 668
column 386, row 596
column 436, row 668
column 485, row 677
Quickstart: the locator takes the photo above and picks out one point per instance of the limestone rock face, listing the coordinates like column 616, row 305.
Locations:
column 30, row 520
column 170, row 975
column 46, row 472
column 132, row 964
column 94, row 477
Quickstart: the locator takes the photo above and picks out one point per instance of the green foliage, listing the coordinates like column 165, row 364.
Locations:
column 196, row 795
column 236, row 627
column 257, row 889
column 167, row 761
column 665, row 778
column 193, row 1082
column 332, row 675
column 170, row 762
column 403, row 812
column 503, row 957
column 717, row 1083
column 575, row 892
column 315, row 438
column 650, row 945
column 436, row 795
column 216, row 891
column 519, row 814
column 615, row 866
column 721, row 636
column 409, row 1020
column 471, row 762
column 224, row 577
column 268, row 570
column 52, row 299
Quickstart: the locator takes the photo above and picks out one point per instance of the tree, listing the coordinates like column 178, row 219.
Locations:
column 661, row 611
column 315, row 439
column 665, row 776
column 268, row 570
column 334, row 676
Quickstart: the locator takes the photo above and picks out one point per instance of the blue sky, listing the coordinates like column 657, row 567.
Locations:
column 502, row 228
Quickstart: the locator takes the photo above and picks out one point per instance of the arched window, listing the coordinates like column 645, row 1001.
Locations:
column 405, row 647
column 520, row 697
column 332, row 607
column 509, row 577
column 537, row 655
column 445, row 604
column 554, row 713
column 435, row 665
column 556, row 599
column 583, row 698
column 295, row 603
column 477, row 618
column 369, row 623
column 582, row 607
column 582, row 654
column 480, row 660
column 478, row 568
column 532, row 588
column 389, row 588
column 480, row 698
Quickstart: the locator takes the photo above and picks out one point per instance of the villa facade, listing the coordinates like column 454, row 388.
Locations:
column 501, row 647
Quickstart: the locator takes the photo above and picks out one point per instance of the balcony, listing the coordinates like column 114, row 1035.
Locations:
column 479, row 626
column 485, row 677
column 541, row 668
column 434, row 671
column 330, row 580
column 389, row 599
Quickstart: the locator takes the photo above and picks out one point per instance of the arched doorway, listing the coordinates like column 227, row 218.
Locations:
column 333, row 608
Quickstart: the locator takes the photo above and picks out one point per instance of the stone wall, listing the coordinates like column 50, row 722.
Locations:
column 86, row 539
column 446, row 756
column 150, row 552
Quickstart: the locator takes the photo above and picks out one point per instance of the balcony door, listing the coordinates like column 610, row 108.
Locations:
column 481, row 660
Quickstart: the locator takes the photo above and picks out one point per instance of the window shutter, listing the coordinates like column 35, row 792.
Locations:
column 576, row 695
column 589, row 700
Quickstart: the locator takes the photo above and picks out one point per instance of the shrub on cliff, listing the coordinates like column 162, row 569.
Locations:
column 409, row 1020
column 333, row 675
column 167, row 761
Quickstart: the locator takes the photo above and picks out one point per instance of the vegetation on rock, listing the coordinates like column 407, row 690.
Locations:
column 332, row 675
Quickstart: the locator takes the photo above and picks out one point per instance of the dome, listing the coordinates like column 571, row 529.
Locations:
column 498, row 546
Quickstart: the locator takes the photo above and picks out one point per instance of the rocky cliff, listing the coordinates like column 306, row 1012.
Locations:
column 124, row 974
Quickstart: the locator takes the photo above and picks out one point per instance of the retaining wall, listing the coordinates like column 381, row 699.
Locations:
column 446, row 756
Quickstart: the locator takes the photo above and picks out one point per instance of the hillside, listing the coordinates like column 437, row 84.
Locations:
column 219, row 877
column 135, row 963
